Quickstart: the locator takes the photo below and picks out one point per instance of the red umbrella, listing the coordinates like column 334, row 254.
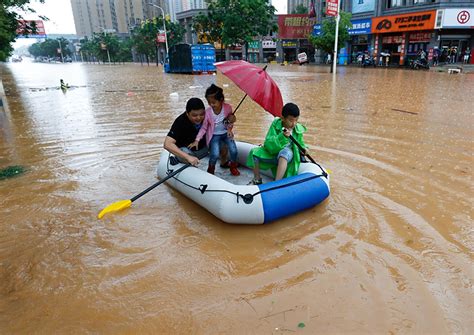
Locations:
column 255, row 82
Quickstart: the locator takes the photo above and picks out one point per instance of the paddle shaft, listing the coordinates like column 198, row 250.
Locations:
column 306, row 154
column 240, row 103
column 171, row 175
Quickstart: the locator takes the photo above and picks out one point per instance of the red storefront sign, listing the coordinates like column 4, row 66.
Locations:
column 295, row 26
column 419, row 37
column 332, row 7
column 392, row 39
column 160, row 38
column 402, row 49
column 430, row 54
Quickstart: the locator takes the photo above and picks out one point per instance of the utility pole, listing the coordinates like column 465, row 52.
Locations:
column 61, row 50
column 164, row 25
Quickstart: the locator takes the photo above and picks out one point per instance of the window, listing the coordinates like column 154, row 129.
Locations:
column 396, row 3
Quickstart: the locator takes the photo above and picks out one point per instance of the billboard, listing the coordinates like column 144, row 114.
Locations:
column 404, row 22
column 295, row 26
column 25, row 28
column 458, row 18
column 360, row 6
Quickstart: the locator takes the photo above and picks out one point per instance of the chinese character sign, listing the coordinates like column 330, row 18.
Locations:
column 295, row 26
column 332, row 7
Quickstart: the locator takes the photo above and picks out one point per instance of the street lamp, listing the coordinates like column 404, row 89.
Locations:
column 61, row 50
column 164, row 24
column 106, row 46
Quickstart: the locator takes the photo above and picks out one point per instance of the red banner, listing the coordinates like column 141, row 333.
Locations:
column 332, row 8
column 294, row 26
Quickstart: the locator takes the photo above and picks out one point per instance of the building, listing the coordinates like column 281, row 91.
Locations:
column 292, row 4
column 402, row 28
column 118, row 16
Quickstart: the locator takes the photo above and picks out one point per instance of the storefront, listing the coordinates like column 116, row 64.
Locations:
column 360, row 38
column 253, row 52
column 269, row 50
column 235, row 52
column 293, row 30
column 289, row 50
column 392, row 34
column 455, row 34
column 417, row 42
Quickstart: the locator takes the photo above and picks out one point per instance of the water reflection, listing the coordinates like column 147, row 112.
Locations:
column 399, row 212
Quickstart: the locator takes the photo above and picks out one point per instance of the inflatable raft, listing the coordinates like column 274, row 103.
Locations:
column 231, row 200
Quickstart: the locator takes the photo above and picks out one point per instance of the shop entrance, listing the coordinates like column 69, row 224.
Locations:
column 446, row 44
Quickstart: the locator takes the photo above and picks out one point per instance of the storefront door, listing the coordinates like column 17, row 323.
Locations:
column 459, row 44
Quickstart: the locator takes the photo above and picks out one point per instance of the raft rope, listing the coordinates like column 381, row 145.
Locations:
column 247, row 198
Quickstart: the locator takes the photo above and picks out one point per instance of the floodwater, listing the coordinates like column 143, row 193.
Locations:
column 389, row 252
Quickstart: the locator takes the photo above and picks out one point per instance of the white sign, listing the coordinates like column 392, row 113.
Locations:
column 302, row 57
column 268, row 44
column 458, row 18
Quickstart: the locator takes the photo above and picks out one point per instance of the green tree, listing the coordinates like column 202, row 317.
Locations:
column 89, row 49
column 175, row 33
column 325, row 41
column 208, row 28
column 300, row 9
column 238, row 21
column 9, row 24
column 49, row 48
column 144, row 40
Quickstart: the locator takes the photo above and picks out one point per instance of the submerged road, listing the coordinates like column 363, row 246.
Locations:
column 390, row 251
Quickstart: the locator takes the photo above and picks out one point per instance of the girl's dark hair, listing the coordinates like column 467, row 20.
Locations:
column 216, row 91
column 290, row 109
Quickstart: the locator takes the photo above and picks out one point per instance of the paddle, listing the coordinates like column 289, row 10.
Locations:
column 122, row 204
column 307, row 155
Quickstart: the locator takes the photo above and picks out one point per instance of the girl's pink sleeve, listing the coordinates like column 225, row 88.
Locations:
column 203, row 129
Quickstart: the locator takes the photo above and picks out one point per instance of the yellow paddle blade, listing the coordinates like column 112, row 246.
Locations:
column 115, row 207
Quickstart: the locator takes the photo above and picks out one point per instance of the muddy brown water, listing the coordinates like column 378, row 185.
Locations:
column 390, row 251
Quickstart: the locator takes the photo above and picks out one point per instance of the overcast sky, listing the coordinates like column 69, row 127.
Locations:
column 61, row 20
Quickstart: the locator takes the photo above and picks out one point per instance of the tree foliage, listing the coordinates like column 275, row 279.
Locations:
column 300, row 9
column 49, row 48
column 144, row 37
column 236, row 21
column 325, row 41
column 102, row 45
column 9, row 24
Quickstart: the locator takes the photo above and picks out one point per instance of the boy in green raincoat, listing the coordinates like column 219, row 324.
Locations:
column 278, row 152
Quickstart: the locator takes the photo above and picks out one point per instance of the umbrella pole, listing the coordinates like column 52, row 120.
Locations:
column 240, row 103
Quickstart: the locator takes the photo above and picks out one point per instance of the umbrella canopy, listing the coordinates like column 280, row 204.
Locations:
column 255, row 82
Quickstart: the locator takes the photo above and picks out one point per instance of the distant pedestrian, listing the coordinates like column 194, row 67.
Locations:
column 467, row 55
column 453, row 55
column 436, row 53
column 328, row 59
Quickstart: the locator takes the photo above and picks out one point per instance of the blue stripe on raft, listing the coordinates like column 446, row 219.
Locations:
column 288, row 200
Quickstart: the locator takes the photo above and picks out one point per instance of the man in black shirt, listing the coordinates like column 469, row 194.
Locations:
column 183, row 132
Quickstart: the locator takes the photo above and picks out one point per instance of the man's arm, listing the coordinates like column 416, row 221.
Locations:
column 170, row 145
